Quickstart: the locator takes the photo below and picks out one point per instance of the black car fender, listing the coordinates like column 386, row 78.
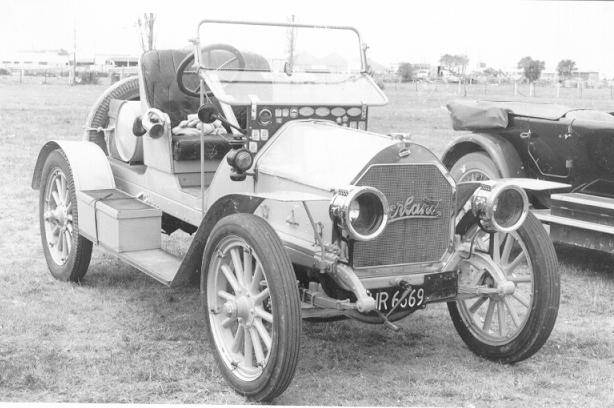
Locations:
column 500, row 150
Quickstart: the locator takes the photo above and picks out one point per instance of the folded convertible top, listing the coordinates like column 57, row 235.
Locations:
column 479, row 115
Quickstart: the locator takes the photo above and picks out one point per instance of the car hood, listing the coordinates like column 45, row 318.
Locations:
column 321, row 154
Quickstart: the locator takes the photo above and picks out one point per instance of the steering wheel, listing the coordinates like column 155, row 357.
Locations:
column 188, row 61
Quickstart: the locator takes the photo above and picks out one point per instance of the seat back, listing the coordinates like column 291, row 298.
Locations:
column 159, row 70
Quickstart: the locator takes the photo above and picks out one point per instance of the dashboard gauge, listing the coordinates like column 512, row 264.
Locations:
column 353, row 112
column 322, row 111
column 294, row 113
column 306, row 111
column 338, row 111
column 265, row 117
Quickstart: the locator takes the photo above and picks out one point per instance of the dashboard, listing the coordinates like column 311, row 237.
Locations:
column 264, row 120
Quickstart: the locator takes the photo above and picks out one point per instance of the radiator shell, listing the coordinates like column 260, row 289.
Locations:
column 414, row 239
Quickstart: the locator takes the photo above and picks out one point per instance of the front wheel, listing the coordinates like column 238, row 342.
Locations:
column 253, row 310
column 513, row 326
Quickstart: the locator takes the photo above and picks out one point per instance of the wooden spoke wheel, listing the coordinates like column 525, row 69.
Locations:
column 67, row 253
column 510, row 326
column 253, row 310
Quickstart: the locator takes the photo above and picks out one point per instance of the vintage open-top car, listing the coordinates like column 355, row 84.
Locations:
column 547, row 142
column 255, row 142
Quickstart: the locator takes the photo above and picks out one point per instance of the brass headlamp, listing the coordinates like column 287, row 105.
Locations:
column 501, row 206
column 360, row 211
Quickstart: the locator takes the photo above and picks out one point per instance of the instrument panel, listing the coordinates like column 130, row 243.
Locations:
column 264, row 120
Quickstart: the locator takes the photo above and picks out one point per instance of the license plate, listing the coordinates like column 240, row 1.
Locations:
column 436, row 287
column 387, row 299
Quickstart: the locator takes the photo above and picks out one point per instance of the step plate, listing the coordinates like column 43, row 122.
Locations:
column 584, row 207
column 156, row 263
column 577, row 232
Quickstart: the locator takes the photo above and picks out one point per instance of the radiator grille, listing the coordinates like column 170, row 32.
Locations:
column 411, row 240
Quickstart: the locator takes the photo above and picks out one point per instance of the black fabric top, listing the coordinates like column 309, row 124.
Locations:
column 479, row 115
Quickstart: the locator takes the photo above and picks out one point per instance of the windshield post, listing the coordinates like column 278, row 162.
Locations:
column 196, row 50
column 291, row 45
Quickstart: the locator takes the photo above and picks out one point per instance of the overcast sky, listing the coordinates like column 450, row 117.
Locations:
column 498, row 33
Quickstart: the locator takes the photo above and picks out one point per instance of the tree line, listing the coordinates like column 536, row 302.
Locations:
column 457, row 65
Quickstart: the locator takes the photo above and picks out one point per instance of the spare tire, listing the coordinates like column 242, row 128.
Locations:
column 127, row 89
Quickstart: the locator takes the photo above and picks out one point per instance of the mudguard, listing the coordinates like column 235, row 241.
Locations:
column 533, row 184
column 501, row 151
column 229, row 204
column 88, row 163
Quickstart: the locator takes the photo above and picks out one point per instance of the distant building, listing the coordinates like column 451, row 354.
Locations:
column 36, row 60
column 424, row 71
column 590, row 76
column 550, row 77
column 117, row 61
column 62, row 60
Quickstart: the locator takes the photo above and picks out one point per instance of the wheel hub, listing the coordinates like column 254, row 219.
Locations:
column 58, row 216
column 506, row 288
column 61, row 215
column 242, row 308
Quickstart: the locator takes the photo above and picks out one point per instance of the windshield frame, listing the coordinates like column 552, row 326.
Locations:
column 196, row 41
column 207, row 74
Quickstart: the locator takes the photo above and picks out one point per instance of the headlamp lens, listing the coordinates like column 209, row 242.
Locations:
column 508, row 208
column 243, row 160
column 366, row 213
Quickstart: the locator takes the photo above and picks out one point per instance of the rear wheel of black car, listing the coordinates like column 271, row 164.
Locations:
column 253, row 314
column 476, row 166
column 509, row 327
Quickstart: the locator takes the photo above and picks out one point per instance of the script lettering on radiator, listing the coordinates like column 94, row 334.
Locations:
column 413, row 208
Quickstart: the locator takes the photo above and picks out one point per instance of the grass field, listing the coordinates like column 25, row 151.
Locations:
column 120, row 336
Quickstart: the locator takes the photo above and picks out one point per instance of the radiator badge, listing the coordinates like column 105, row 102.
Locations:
column 413, row 208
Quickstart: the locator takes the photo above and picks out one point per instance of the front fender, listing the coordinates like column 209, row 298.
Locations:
column 88, row 163
column 226, row 205
column 500, row 150
column 229, row 204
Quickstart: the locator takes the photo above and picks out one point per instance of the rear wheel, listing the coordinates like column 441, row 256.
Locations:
column 253, row 311
column 476, row 166
column 67, row 253
column 513, row 326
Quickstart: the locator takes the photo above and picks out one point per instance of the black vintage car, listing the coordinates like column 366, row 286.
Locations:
column 547, row 142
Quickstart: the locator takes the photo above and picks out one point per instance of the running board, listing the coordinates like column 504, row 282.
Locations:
column 156, row 263
column 578, row 232
column 547, row 218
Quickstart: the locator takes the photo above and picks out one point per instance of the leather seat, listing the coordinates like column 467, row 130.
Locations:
column 159, row 71
column 159, row 68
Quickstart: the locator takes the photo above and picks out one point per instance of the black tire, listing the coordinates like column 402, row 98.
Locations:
column 80, row 253
column 543, row 311
column 475, row 164
column 280, row 365
column 126, row 89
